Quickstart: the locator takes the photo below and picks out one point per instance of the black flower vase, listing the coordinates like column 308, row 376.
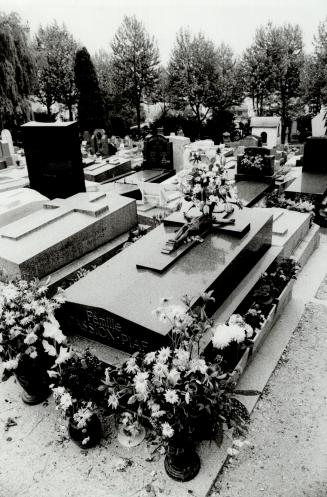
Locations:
column 34, row 380
column 92, row 431
column 182, row 463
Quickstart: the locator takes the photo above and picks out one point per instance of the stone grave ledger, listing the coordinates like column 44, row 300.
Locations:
column 107, row 170
column 114, row 304
column 53, row 158
column 62, row 231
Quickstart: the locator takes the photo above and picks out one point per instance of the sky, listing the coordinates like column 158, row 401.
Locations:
column 94, row 22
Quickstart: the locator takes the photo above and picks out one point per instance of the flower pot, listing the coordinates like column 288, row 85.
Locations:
column 182, row 463
column 128, row 439
column 35, row 382
column 86, row 437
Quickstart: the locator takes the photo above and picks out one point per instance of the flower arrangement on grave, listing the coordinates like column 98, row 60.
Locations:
column 207, row 188
column 76, row 377
column 252, row 164
column 298, row 203
column 180, row 395
column 30, row 336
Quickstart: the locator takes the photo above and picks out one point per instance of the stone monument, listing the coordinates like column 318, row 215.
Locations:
column 114, row 304
column 53, row 157
column 256, row 164
column 62, row 231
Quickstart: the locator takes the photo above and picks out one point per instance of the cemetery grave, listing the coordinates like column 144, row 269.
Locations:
column 105, row 310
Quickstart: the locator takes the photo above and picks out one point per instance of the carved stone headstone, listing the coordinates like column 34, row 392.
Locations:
column 158, row 153
column 6, row 137
column 7, row 154
column 247, row 168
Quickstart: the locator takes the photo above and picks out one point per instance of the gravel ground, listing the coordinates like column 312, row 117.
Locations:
column 287, row 455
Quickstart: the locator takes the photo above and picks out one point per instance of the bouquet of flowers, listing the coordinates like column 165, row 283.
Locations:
column 175, row 389
column 29, row 332
column 207, row 188
column 76, row 378
column 252, row 164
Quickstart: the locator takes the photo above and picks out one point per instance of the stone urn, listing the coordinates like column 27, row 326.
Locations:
column 89, row 435
column 182, row 463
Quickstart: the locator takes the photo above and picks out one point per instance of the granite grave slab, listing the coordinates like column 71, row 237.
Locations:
column 114, row 303
column 64, row 230
column 106, row 170
column 18, row 203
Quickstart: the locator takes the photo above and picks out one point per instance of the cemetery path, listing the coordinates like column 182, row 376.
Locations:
column 287, row 455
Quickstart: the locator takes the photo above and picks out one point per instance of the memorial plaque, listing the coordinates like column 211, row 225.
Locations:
column 53, row 158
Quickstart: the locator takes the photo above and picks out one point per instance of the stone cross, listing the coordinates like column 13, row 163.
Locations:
column 90, row 204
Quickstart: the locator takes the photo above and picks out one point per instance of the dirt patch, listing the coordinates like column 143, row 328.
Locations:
column 287, row 456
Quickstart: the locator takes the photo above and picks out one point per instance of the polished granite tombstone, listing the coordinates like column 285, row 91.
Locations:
column 106, row 170
column 63, row 231
column 53, row 158
column 114, row 303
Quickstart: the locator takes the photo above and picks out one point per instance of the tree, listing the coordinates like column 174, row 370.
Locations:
column 17, row 71
column 273, row 66
column 90, row 101
column 314, row 74
column 55, row 51
column 228, row 85
column 192, row 74
column 135, row 63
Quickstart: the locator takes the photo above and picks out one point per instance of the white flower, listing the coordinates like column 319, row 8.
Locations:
column 66, row 401
column 113, row 401
column 33, row 354
column 173, row 376
column 39, row 309
column 164, row 354
column 1, row 338
column 49, row 348
column 171, row 396
column 154, row 407
column 221, row 337
column 52, row 330
column 9, row 318
column 131, row 366
column 187, row 398
column 141, row 384
column 30, row 338
column 160, row 370
column 158, row 414
column 26, row 320
column 198, row 365
column 150, row 358
column 9, row 292
column 11, row 364
column 64, row 355
column 181, row 359
column 167, row 430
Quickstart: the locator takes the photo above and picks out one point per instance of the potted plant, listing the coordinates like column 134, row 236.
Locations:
column 175, row 388
column 76, row 377
column 30, row 336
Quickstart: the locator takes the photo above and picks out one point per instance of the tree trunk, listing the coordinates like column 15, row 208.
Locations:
column 198, row 118
column 138, row 115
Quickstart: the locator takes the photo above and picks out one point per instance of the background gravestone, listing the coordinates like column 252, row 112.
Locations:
column 158, row 153
column 53, row 158
column 315, row 155
column 247, row 173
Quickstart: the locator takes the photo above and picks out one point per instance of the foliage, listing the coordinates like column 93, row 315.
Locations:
column 28, row 328
column 55, row 50
column 174, row 387
column 272, row 67
column 274, row 199
column 134, row 63
column 228, row 86
column 17, row 71
column 90, row 102
column 192, row 73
